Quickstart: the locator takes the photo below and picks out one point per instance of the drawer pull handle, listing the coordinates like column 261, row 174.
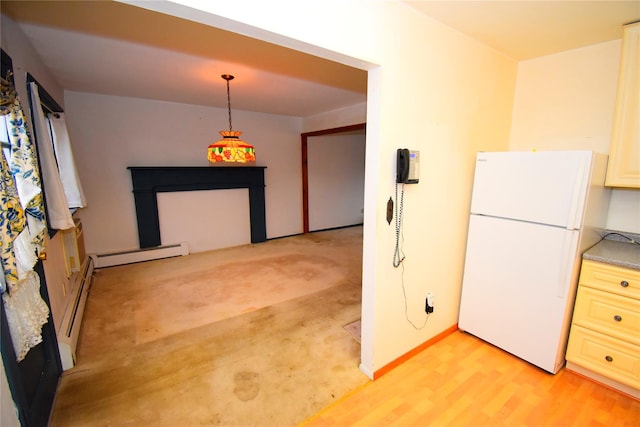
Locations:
column 617, row 318
column 609, row 359
column 624, row 284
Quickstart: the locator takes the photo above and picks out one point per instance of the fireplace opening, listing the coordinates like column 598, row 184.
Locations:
column 228, row 222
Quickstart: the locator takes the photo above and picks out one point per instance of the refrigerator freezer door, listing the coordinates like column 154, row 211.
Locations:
column 516, row 287
column 546, row 187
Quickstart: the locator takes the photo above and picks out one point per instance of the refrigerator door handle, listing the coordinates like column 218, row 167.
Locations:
column 579, row 189
column 569, row 248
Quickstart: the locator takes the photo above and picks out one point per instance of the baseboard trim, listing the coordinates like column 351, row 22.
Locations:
column 367, row 372
column 69, row 331
column 111, row 259
column 400, row 360
column 613, row 385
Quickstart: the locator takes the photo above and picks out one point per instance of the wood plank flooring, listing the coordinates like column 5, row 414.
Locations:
column 463, row 381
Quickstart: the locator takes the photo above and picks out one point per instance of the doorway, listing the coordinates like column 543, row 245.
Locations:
column 340, row 161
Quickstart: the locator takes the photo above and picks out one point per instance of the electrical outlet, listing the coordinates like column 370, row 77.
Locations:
column 428, row 305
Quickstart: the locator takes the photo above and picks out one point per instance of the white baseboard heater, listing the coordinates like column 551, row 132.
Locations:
column 138, row 255
column 72, row 319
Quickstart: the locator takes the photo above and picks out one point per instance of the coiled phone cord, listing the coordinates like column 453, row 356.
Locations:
column 398, row 255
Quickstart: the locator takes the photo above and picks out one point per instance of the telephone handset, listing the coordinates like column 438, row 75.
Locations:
column 408, row 170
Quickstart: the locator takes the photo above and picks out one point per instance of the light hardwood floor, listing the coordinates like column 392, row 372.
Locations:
column 463, row 381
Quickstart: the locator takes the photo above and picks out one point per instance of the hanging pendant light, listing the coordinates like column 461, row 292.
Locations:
column 230, row 150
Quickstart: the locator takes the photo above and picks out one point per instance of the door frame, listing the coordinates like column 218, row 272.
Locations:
column 305, row 164
column 34, row 401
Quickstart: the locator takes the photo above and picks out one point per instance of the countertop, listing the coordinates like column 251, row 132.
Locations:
column 615, row 252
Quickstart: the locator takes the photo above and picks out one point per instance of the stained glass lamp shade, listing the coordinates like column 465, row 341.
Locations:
column 230, row 150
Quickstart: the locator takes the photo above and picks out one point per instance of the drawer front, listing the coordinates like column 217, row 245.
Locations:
column 615, row 359
column 608, row 313
column 610, row 278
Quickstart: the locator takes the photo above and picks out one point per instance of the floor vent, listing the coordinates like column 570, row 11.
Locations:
column 72, row 319
column 139, row 255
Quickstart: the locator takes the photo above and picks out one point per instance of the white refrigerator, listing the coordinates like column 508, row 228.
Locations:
column 532, row 216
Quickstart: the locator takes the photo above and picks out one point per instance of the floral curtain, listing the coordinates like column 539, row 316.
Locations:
column 22, row 228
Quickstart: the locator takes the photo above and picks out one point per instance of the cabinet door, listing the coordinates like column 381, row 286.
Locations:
column 624, row 156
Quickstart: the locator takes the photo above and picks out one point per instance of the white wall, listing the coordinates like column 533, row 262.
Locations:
column 566, row 101
column 624, row 211
column 25, row 59
column 430, row 88
column 224, row 212
column 354, row 114
column 336, row 180
column 111, row 133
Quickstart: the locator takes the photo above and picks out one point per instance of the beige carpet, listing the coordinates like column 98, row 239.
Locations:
column 251, row 336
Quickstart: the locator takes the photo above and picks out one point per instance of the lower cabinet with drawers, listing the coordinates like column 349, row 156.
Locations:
column 604, row 343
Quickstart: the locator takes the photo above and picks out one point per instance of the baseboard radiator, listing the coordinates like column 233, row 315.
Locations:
column 72, row 319
column 139, row 255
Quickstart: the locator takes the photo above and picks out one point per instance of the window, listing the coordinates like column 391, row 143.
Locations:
column 52, row 121
column 4, row 138
column 7, row 66
column 61, row 188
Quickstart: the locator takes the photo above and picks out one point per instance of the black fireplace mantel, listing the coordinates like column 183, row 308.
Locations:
column 150, row 180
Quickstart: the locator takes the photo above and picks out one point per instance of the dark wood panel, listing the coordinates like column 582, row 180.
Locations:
column 148, row 181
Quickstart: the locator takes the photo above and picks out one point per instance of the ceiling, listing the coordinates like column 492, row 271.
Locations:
column 524, row 29
column 116, row 49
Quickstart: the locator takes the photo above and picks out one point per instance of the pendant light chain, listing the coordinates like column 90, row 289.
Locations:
column 231, row 149
column 229, row 103
column 228, row 77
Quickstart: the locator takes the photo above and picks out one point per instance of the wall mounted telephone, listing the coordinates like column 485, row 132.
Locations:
column 408, row 171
